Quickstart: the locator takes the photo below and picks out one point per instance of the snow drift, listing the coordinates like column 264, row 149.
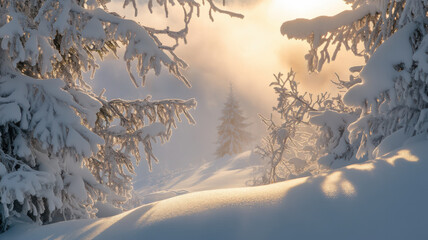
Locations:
column 379, row 199
column 226, row 172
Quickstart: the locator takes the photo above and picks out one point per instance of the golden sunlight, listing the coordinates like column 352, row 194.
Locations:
column 404, row 155
column 335, row 183
column 291, row 9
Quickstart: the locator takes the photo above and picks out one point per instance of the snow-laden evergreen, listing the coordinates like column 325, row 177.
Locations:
column 63, row 147
column 232, row 135
column 333, row 141
column 391, row 89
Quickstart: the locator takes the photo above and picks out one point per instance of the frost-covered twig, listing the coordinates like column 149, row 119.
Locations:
column 293, row 146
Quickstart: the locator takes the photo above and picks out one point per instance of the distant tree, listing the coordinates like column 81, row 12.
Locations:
column 391, row 89
column 232, row 136
column 62, row 147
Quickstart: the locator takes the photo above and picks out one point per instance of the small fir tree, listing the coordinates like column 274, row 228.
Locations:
column 232, row 135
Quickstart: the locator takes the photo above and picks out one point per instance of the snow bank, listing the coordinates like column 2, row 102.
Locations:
column 381, row 199
column 106, row 210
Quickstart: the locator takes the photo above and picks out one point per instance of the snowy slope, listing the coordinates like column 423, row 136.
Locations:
column 381, row 199
column 227, row 172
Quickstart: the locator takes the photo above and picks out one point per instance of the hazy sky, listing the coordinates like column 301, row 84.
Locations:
column 243, row 52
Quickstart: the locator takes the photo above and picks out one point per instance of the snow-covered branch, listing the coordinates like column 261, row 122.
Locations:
column 368, row 24
column 139, row 121
column 310, row 128
column 390, row 89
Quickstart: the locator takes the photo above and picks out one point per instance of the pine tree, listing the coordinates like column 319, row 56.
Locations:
column 232, row 136
column 62, row 147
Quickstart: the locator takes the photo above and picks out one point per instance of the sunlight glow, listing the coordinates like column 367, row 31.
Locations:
column 404, row 154
column 335, row 183
column 97, row 227
column 290, row 9
column 362, row 167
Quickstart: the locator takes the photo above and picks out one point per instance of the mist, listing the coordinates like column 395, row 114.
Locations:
column 244, row 52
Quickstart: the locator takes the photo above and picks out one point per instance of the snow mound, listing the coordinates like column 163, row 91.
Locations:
column 379, row 199
column 227, row 172
column 106, row 210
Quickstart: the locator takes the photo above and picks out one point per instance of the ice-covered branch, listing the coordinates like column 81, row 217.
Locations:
column 38, row 43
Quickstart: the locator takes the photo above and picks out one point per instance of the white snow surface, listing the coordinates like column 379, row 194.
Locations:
column 106, row 210
column 227, row 172
column 94, row 29
column 391, row 142
column 379, row 199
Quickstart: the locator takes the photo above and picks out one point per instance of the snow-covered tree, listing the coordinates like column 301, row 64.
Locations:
column 62, row 147
column 232, row 135
column 391, row 89
column 333, row 140
column 310, row 132
column 283, row 147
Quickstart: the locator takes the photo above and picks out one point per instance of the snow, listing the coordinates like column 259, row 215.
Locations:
column 319, row 26
column 3, row 170
column 116, row 129
column 379, row 72
column 379, row 199
column 391, row 142
column 298, row 163
column 281, row 135
column 94, row 29
column 13, row 110
column 339, row 152
column 227, row 172
column 10, row 29
column 420, row 56
column 90, row 105
column 75, row 187
column 18, row 185
column 383, row 198
column 106, row 210
column 61, row 22
column 329, row 118
column 153, row 130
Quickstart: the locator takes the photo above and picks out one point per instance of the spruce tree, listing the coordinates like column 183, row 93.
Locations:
column 63, row 147
column 232, row 135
